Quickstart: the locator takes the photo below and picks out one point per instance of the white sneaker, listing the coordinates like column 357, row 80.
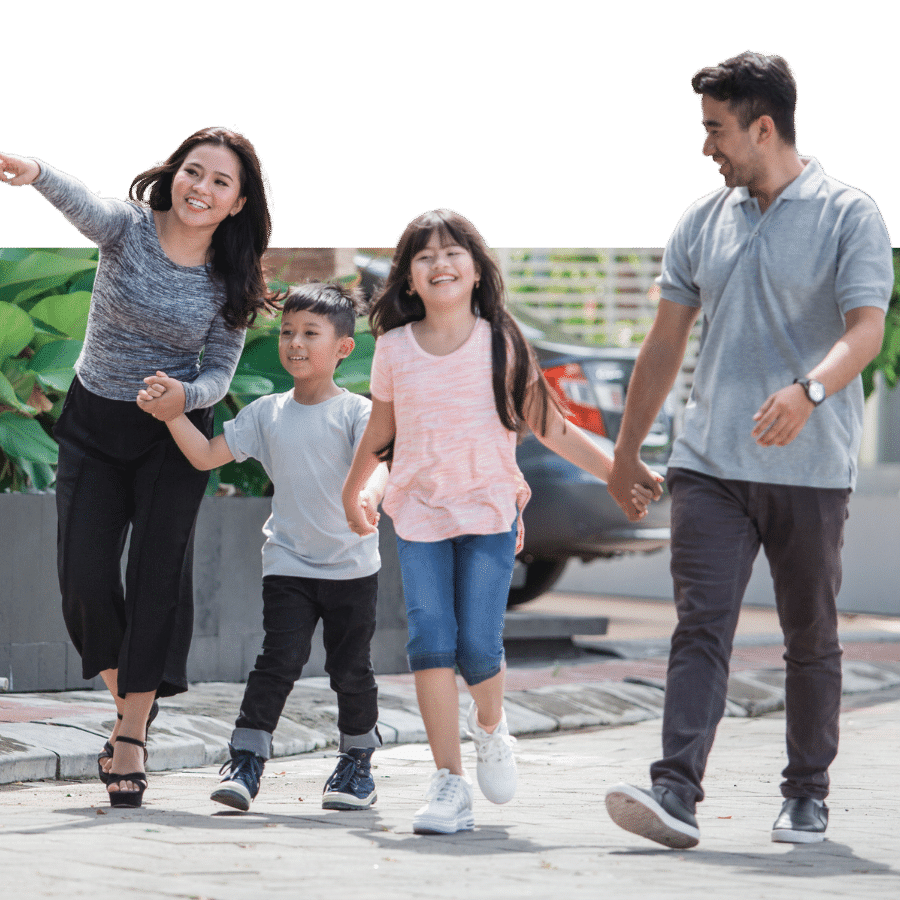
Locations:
column 449, row 806
column 496, row 769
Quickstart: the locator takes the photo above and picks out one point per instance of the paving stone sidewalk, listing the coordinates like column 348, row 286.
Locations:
column 58, row 735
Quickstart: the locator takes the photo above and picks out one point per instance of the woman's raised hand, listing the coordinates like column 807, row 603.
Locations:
column 18, row 170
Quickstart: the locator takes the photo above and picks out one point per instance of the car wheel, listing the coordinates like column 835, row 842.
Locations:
column 540, row 576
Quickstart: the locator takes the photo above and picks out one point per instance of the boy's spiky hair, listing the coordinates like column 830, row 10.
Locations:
column 341, row 304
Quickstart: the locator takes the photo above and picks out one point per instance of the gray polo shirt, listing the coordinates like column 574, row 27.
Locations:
column 307, row 451
column 774, row 289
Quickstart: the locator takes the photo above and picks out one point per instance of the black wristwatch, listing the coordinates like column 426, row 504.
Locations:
column 815, row 390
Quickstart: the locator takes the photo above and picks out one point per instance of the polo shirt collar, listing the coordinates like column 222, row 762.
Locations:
column 803, row 187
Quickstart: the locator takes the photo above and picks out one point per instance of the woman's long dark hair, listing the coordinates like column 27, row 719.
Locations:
column 240, row 240
column 394, row 306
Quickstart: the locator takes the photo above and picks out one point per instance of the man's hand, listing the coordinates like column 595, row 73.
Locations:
column 626, row 474
column 782, row 417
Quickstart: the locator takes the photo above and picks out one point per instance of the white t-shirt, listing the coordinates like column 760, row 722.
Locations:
column 307, row 452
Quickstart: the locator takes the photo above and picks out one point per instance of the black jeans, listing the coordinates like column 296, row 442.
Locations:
column 292, row 607
column 718, row 527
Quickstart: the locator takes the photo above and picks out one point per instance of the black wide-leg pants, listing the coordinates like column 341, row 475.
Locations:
column 118, row 469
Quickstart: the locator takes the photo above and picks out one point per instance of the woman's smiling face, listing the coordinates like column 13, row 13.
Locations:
column 206, row 189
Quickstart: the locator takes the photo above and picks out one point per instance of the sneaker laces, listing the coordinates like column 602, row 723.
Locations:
column 443, row 788
column 495, row 747
column 343, row 774
column 245, row 762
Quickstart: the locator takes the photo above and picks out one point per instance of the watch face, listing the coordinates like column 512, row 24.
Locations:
column 816, row 391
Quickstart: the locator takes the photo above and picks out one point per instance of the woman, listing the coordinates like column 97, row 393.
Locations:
column 179, row 281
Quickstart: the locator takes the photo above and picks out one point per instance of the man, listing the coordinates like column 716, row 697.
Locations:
column 792, row 272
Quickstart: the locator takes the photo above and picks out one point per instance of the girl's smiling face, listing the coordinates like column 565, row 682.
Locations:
column 207, row 186
column 443, row 273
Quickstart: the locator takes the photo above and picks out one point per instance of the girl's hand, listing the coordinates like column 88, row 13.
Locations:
column 18, row 170
column 163, row 398
column 362, row 517
column 642, row 496
column 368, row 502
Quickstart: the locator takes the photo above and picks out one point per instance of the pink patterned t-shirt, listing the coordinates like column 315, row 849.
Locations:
column 454, row 470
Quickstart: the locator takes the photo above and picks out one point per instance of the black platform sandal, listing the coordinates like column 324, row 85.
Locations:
column 108, row 749
column 128, row 799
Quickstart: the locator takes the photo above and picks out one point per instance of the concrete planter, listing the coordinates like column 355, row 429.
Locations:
column 35, row 652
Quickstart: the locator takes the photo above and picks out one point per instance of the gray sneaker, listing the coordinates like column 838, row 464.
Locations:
column 802, row 821
column 656, row 814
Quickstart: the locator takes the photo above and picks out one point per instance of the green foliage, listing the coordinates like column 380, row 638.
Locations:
column 888, row 360
column 44, row 296
column 44, row 301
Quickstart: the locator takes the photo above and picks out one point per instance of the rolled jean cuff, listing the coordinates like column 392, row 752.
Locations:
column 472, row 678
column 361, row 741
column 254, row 740
column 421, row 661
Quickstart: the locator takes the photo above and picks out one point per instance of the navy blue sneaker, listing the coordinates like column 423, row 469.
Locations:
column 350, row 785
column 241, row 784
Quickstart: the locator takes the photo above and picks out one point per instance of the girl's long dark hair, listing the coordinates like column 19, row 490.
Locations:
column 239, row 242
column 394, row 306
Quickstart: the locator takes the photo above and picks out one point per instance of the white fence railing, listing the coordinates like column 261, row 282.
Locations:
column 591, row 296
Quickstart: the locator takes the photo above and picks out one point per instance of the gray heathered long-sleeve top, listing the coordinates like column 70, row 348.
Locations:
column 146, row 312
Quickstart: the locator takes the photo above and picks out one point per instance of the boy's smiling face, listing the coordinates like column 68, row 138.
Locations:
column 309, row 348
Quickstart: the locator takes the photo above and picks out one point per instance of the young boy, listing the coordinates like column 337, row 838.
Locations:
column 313, row 565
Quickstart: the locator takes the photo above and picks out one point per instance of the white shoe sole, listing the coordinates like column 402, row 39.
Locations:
column 339, row 800
column 640, row 814
column 788, row 836
column 426, row 825
column 233, row 794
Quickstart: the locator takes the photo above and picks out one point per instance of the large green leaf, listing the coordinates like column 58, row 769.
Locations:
column 355, row 371
column 65, row 312
column 53, row 364
column 41, row 475
column 9, row 397
column 249, row 383
column 24, row 438
column 45, row 264
column 16, row 330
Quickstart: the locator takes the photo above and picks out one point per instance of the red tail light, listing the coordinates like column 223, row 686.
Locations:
column 578, row 395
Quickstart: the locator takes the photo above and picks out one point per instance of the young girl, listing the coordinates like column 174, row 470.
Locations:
column 452, row 380
column 178, row 280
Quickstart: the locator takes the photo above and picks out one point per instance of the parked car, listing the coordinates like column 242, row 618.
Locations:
column 571, row 514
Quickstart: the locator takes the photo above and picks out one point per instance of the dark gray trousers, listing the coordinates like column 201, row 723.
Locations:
column 718, row 527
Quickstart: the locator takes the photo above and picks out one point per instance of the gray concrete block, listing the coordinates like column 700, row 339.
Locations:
column 38, row 666
column 521, row 719
column 754, row 694
column 23, row 755
column 861, row 677
column 523, row 625
column 400, row 726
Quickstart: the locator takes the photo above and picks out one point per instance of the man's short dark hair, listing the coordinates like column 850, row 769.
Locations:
column 339, row 304
column 753, row 85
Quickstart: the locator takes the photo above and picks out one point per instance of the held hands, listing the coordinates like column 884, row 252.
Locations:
column 782, row 417
column 18, row 170
column 163, row 398
column 363, row 518
column 634, row 486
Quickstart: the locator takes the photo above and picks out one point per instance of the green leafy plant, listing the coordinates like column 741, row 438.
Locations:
column 44, row 301
column 888, row 360
column 44, row 298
